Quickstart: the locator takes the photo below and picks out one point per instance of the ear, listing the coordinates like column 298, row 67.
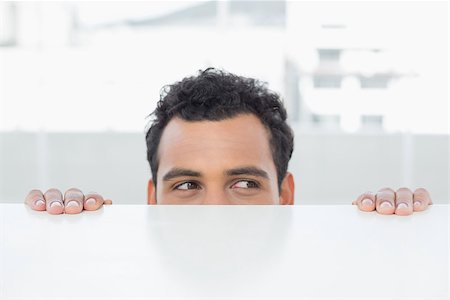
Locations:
column 151, row 193
column 287, row 190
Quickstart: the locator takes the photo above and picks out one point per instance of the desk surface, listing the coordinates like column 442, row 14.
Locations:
column 125, row 251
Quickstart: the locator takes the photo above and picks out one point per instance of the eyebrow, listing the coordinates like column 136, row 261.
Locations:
column 181, row 172
column 253, row 171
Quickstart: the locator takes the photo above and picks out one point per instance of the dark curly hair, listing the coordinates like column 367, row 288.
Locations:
column 216, row 95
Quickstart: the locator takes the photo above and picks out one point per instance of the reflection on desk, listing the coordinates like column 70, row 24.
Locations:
column 124, row 251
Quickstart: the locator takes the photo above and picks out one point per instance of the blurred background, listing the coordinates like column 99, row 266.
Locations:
column 365, row 85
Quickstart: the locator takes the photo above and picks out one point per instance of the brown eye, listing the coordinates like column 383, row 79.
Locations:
column 245, row 184
column 187, row 186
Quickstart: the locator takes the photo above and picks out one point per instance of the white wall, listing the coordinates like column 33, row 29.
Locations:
column 329, row 168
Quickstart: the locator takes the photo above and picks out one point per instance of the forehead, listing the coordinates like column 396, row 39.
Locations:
column 210, row 145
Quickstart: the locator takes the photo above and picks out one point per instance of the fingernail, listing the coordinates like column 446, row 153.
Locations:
column 367, row 202
column 402, row 205
column 417, row 203
column 90, row 201
column 39, row 202
column 386, row 204
column 72, row 203
column 55, row 203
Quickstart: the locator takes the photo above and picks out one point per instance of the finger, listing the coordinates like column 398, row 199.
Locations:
column 54, row 202
column 366, row 201
column 404, row 202
column 385, row 201
column 35, row 200
column 421, row 199
column 73, row 201
column 107, row 202
column 93, row 201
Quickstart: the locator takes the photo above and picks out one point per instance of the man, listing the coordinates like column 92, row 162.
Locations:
column 218, row 138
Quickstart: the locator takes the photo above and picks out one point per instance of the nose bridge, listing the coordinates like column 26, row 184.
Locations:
column 216, row 195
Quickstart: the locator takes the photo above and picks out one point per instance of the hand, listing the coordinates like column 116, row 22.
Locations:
column 74, row 201
column 387, row 202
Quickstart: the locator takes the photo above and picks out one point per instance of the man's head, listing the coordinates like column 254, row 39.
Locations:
column 219, row 138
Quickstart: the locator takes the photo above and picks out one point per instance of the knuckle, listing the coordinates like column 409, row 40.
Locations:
column 421, row 192
column 73, row 194
column 386, row 190
column 404, row 190
column 92, row 194
column 385, row 197
column 98, row 197
column 33, row 194
column 73, row 189
column 53, row 191
column 404, row 197
column 369, row 195
column 36, row 197
column 421, row 197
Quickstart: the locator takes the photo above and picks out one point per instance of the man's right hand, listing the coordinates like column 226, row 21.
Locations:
column 73, row 202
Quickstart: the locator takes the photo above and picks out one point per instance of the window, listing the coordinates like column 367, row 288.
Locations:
column 375, row 82
column 258, row 13
column 329, row 54
column 7, row 24
column 327, row 81
column 326, row 121
column 372, row 121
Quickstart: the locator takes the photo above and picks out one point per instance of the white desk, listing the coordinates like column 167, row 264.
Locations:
column 260, row 252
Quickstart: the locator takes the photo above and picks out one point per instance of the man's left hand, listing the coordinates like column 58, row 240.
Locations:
column 401, row 202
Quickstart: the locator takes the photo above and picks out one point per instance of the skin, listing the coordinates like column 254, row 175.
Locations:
column 222, row 162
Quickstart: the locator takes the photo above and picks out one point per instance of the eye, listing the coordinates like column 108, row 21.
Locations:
column 245, row 184
column 188, row 185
